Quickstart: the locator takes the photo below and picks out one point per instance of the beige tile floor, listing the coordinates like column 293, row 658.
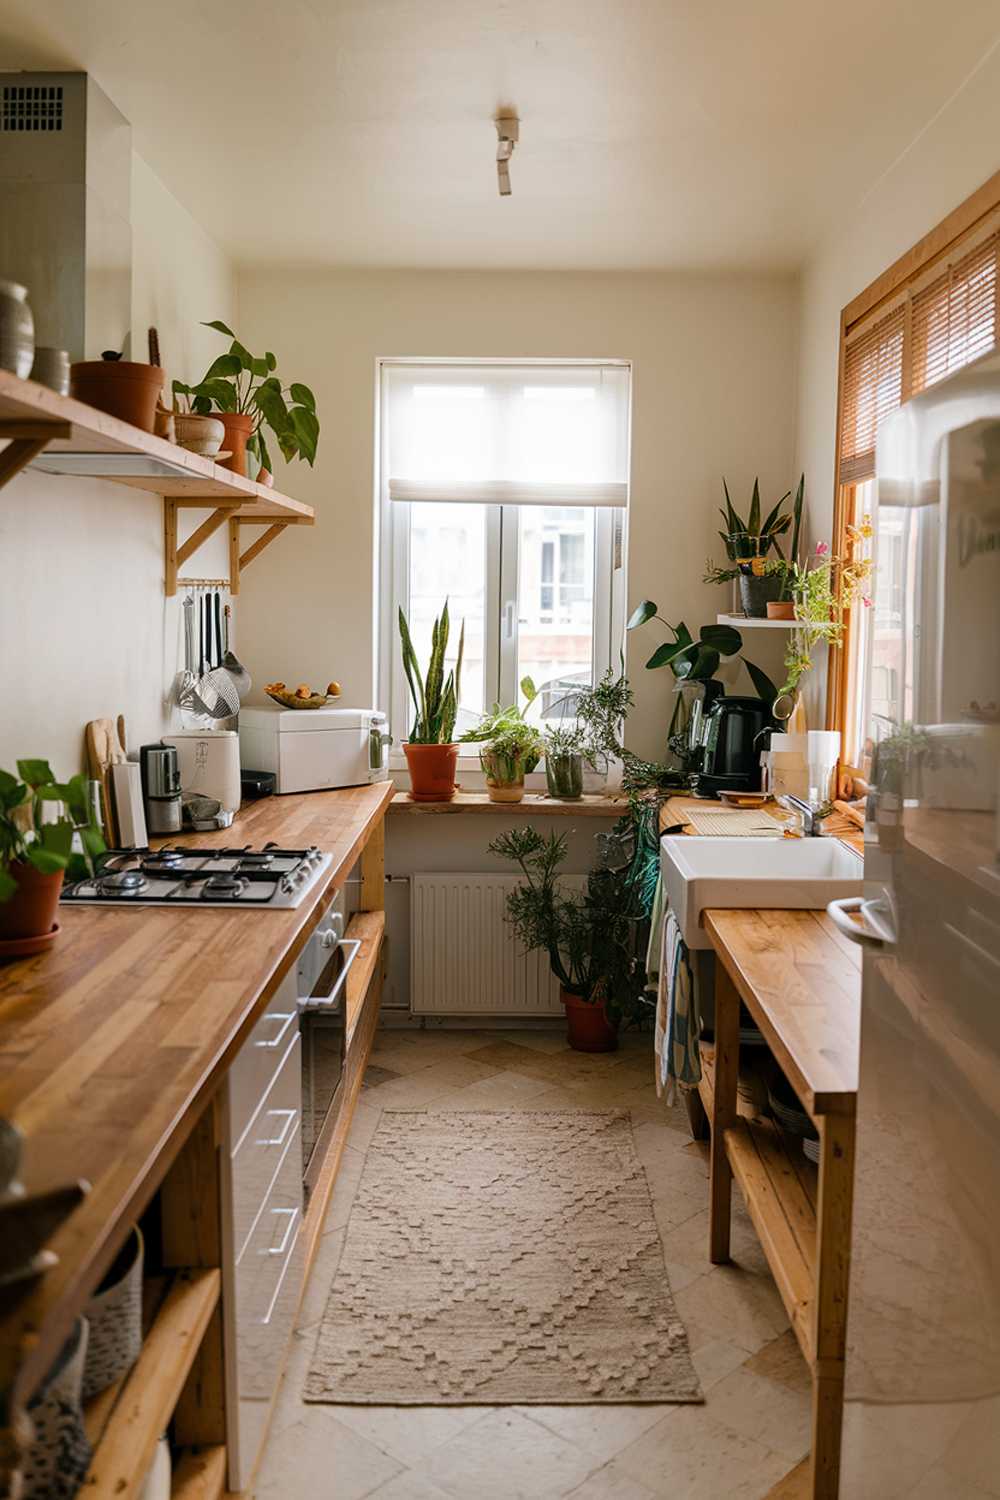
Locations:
column 755, row 1422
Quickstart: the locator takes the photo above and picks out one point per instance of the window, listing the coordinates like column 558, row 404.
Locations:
column 931, row 314
column 503, row 488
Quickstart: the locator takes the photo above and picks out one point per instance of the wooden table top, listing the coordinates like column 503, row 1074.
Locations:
column 536, row 804
column 113, row 1041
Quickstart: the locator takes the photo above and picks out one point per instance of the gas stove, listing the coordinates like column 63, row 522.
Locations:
column 183, row 876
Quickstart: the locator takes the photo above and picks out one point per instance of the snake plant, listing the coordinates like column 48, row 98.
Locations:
column 435, row 697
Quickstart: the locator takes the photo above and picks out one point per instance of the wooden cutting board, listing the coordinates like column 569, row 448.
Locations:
column 104, row 740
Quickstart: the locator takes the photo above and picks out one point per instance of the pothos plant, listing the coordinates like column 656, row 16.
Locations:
column 241, row 382
column 511, row 746
column 28, row 837
column 824, row 588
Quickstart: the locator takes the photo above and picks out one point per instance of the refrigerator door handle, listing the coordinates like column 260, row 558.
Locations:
column 873, row 931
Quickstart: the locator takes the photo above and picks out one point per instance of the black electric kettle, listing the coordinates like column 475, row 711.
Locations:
column 733, row 733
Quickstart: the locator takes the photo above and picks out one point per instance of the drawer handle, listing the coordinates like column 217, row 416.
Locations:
column 279, row 1140
column 293, row 1215
column 329, row 1001
column 286, row 1020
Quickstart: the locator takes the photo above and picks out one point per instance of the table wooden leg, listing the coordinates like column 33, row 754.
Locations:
column 373, row 871
column 833, row 1242
column 727, row 1062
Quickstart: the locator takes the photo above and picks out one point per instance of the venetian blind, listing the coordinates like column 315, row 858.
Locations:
column 945, row 318
column 507, row 434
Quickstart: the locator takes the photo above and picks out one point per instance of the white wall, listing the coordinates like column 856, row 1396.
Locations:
column 85, row 630
column 957, row 152
column 714, row 393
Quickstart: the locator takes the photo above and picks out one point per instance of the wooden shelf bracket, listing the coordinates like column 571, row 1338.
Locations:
column 26, row 441
column 237, row 560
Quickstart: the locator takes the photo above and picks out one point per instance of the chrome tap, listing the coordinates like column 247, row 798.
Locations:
column 811, row 813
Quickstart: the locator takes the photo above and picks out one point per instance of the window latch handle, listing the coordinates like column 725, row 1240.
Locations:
column 509, row 612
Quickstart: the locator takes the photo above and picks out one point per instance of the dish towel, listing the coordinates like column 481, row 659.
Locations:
column 677, row 1021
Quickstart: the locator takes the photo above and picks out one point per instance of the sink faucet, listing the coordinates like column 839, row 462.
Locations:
column 811, row 813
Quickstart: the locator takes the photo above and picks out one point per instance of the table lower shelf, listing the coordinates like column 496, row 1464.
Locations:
column 780, row 1186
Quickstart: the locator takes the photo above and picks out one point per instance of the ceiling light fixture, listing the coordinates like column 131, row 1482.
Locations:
column 507, row 136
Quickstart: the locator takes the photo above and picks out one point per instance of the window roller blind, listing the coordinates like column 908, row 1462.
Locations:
column 944, row 319
column 507, row 434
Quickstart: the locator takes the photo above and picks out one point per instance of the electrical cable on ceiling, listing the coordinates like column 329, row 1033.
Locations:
column 507, row 137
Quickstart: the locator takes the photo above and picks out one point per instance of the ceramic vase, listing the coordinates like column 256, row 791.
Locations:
column 51, row 368
column 17, row 330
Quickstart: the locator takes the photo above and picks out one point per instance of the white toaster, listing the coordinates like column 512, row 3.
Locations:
column 315, row 749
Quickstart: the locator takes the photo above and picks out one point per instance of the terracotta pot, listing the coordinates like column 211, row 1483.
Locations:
column 510, row 791
column 238, row 427
column 120, row 387
column 31, row 911
column 432, row 771
column 781, row 609
column 266, row 478
column 587, row 1025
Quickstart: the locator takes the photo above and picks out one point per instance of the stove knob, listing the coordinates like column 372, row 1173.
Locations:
column 286, row 885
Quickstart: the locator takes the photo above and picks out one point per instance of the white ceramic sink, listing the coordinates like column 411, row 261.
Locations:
column 801, row 874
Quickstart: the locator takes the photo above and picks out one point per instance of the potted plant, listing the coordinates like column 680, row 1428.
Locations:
column 565, row 752
column 694, row 664
column 589, row 935
column 249, row 397
column 431, row 753
column 35, row 851
column 823, row 589
column 121, row 387
column 510, row 747
column 747, row 544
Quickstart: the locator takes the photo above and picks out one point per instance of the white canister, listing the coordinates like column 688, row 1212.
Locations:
column 209, row 764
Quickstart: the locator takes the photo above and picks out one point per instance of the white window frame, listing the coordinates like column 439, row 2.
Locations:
column 392, row 565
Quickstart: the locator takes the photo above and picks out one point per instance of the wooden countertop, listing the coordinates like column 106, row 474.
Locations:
column 112, row 1042
column 535, row 804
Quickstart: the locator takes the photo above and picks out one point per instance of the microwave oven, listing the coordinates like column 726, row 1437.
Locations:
column 311, row 750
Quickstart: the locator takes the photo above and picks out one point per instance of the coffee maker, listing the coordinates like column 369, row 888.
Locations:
column 731, row 733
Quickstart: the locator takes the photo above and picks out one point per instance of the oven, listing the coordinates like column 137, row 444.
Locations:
column 320, row 985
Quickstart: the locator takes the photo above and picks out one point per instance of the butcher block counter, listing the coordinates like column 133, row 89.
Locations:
column 113, row 1045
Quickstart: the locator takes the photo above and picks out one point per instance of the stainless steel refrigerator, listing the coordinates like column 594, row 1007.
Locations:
column 923, row 1375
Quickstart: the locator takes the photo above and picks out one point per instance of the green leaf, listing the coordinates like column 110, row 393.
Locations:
column 642, row 612
column 753, row 520
column 220, row 392
column 773, row 515
column 272, row 363
column 271, row 404
column 797, row 513
column 529, row 690
column 46, row 861
column 92, row 841
column 302, row 394
column 763, row 684
column 36, row 773
column 78, row 799
column 57, row 838
column 306, row 432
column 12, row 791
column 8, row 885
column 723, row 638
column 668, row 655
column 260, row 367
column 179, row 388
column 220, row 328
column 704, row 665
column 243, row 355
column 226, row 364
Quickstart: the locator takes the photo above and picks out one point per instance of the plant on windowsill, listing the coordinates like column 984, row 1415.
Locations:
column 747, row 546
column 36, row 852
column 510, row 747
column 431, row 752
column 248, row 396
column 589, row 935
column 565, row 752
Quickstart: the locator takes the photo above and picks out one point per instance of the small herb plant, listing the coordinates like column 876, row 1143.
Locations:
column 238, row 381
column 511, row 747
column 435, row 698
column 589, row 935
column 26, row 837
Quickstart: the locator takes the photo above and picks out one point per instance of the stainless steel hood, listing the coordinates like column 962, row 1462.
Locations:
column 65, row 208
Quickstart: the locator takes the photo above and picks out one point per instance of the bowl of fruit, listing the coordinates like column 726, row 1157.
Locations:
column 302, row 696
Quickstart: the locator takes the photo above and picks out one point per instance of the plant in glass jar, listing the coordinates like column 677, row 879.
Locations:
column 565, row 752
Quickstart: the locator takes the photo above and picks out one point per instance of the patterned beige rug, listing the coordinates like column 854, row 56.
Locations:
column 502, row 1258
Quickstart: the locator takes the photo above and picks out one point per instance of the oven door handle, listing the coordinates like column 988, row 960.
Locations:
column 329, row 1000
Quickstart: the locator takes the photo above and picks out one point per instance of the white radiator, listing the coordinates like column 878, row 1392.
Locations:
column 464, row 958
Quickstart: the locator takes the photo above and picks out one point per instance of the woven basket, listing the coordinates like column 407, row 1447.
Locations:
column 115, row 1317
column 59, row 1457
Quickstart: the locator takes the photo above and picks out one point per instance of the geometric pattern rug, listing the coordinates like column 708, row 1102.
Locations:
column 502, row 1258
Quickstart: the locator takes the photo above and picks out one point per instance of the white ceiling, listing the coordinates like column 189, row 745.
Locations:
column 655, row 133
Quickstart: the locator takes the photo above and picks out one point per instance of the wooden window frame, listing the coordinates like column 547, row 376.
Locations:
column 914, row 264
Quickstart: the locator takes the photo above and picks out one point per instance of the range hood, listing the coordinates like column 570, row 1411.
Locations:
column 65, row 209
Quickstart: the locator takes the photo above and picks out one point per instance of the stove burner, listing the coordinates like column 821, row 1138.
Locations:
column 256, row 861
column 223, row 884
column 126, row 882
column 165, row 860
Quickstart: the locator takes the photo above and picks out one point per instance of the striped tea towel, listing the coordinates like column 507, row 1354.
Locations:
column 677, row 1021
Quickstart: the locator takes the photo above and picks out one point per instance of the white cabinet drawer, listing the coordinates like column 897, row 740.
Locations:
column 260, row 1057
column 269, row 1279
column 263, row 1150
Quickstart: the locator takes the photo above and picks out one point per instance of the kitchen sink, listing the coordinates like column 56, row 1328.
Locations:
column 803, row 874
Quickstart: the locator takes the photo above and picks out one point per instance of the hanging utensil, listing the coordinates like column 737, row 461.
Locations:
column 231, row 662
column 188, row 682
column 217, row 628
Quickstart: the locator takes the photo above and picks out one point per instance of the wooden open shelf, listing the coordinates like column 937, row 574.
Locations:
column 199, row 1475
column 125, row 1423
column 40, row 425
column 368, row 927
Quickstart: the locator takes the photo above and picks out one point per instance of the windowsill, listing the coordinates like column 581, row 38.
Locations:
column 533, row 804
